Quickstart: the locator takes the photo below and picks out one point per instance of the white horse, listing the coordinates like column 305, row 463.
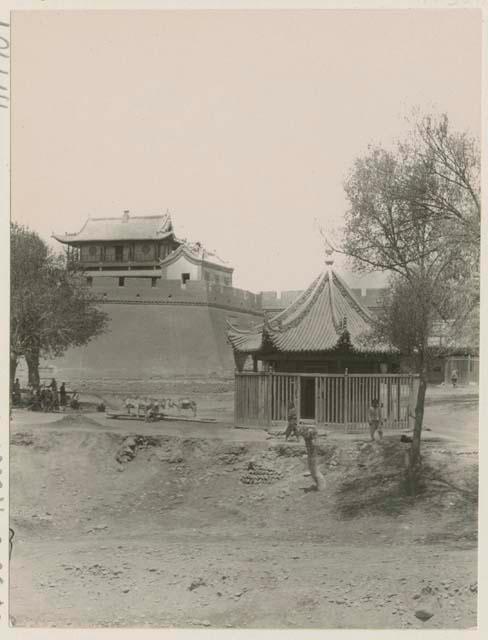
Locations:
column 138, row 403
column 146, row 404
column 184, row 403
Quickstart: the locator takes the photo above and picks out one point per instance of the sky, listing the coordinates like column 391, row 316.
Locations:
column 243, row 124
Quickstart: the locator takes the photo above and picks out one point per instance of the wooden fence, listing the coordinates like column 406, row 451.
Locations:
column 335, row 400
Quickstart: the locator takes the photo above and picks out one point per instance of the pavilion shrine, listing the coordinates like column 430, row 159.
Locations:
column 322, row 331
column 316, row 352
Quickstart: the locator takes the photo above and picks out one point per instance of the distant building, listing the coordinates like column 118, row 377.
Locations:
column 167, row 300
column 141, row 247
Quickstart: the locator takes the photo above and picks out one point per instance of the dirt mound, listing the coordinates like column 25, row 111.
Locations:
column 114, row 478
column 76, row 420
column 372, row 482
column 22, row 439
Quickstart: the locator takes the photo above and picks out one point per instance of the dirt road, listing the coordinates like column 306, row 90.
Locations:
column 217, row 527
column 453, row 414
column 144, row 578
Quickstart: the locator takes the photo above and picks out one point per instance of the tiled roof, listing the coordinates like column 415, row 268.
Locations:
column 124, row 228
column 196, row 253
column 312, row 323
column 245, row 341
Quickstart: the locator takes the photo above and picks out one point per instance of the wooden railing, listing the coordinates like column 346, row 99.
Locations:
column 335, row 400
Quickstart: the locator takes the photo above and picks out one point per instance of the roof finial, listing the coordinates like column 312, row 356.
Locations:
column 329, row 252
column 328, row 248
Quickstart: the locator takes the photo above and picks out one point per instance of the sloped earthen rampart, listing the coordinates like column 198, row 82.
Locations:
column 166, row 330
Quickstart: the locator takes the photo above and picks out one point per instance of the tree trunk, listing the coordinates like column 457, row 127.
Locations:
column 309, row 435
column 13, row 369
column 414, row 459
column 32, row 360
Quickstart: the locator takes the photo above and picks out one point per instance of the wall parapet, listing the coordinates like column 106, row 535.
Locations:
column 153, row 290
column 278, row 300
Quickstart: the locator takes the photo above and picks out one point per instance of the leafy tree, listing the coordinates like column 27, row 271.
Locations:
column 414, row 212
column 50, row 309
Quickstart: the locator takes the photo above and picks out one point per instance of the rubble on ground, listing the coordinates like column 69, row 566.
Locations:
column 259, row 474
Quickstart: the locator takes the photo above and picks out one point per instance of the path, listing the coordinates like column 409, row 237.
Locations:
column 453, row 414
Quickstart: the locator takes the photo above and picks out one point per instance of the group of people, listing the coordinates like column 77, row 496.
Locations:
column 374, row 419
column 45, row 397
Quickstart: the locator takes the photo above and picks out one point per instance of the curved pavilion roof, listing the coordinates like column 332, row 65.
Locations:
column 314, row 322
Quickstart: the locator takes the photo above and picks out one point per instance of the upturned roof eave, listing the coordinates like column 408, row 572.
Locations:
column 196, row 260
column 74, row 239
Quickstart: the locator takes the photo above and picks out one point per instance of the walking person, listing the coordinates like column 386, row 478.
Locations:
column 292, row 428
column 375, row 421
column 454, row 378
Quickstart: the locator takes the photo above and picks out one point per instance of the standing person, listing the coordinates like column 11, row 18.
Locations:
column 42, row 398
column 75, row 400
column 16, row 392
column 454, row 378
column 47, row 399
column 292, row 429
column 62, row 396
column 54, row 394
column 36, row 404
column 151, row 412
column 375, row 419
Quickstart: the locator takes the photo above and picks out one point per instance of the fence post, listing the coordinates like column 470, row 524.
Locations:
column 299, row 399
column 269, row 397
column 316, row 397
column 468, row 377
column 447, row 369
column 236, row 397
column 346, row 400
column 399, row 394
column 412, row 400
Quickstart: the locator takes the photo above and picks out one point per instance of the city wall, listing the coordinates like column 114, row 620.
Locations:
column 166, row 330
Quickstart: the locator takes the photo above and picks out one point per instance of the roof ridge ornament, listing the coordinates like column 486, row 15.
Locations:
column 329, row 252
column 328, row 247
column 167, row 224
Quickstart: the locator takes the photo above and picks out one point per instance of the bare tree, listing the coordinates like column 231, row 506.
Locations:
column 414, row 212
column 453, row 161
